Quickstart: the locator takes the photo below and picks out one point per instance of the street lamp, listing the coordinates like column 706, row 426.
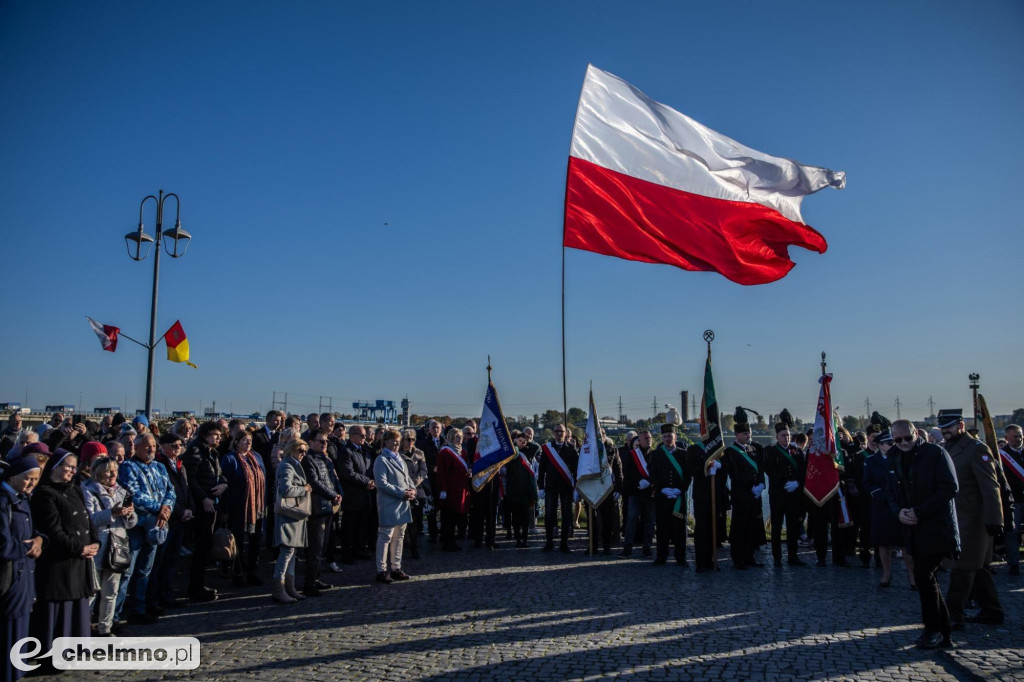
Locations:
column 139, row 244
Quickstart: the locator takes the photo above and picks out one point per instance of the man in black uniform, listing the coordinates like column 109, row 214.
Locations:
column 703, row 478
column 556, row 477
column 670, row 481
column 786, row 468
column 743, row 463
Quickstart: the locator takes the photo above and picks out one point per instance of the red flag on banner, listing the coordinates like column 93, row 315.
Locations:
column 822, row 480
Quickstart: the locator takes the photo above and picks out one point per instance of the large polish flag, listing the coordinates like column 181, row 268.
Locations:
column 647, row 183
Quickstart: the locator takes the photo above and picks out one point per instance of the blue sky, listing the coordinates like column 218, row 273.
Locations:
column 375, row 194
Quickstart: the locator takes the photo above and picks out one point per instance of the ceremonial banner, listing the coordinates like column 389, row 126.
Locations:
column 177, row 344
column 647, row 183
column 593, row 474
column 494, row 449
column 822, row 480
column 106, row 333
column 710, row 420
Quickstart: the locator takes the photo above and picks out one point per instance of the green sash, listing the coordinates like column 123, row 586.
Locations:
column 677, row 510
column 785, row 453
column 751, row 462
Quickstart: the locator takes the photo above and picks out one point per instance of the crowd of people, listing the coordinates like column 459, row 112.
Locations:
column 96, row 517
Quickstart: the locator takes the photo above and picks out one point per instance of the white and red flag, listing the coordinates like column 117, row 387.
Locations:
column 822, row 480
column 647, row 183
column 106, row 333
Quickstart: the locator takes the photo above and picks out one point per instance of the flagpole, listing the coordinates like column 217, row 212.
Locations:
column 565, row 399
column 709, row 336
column 123, row 335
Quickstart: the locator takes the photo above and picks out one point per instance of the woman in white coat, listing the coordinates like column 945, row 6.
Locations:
column 395, row 492
column 289, row 533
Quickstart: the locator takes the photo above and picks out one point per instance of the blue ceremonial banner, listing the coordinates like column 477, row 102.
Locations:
column 495, row 448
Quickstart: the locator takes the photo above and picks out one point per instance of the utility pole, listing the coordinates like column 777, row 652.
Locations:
column 931, row 407
column 898, row 408
column 654, row 408
column 214, row 408
column 693, row 405
column 620, row 410
column 867, row 407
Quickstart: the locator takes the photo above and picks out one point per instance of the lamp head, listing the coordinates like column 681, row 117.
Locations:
column 175, row 237
column 136, row 242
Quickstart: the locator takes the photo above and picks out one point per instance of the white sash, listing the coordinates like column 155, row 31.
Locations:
column 457, row 457
column 559, row 464
column 1012, row 464
column 641, row 463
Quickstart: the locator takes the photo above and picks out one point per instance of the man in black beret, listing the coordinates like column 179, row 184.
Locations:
column 786, row 468
column 670, row 481
column 743, row 463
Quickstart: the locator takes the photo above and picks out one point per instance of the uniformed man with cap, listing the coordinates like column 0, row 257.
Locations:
column 786, row 468
column 670, row 481
column 743, row 463
column 979, row 513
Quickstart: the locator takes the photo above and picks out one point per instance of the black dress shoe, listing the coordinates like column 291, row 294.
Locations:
column 399, row 574
column 985, row 619
column 203, row 595
column 549, row 547
column 659, row 562
column 625, row 554
column 321, row 585
column 142, row 618
column 384, row 579
column 647, row 551
column 564, row 549
column 933, row 640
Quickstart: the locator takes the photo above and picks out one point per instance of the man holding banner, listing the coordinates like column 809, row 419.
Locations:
column 558, row 461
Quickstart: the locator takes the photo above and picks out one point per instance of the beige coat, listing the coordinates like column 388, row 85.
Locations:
column 978, row 502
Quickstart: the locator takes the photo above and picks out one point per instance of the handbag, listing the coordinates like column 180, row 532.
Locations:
column 296, row 508
column 94, row 577
column 119, row 553
column 223, row 546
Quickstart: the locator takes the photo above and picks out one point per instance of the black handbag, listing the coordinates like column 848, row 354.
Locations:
column 119, row 553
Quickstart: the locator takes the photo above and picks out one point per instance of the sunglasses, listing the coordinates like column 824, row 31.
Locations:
column 904, row 439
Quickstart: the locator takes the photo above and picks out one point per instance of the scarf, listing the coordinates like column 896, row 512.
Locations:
column 255, row 485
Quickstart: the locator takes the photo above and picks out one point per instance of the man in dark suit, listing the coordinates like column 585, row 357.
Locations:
column 429, row 441
column 356, row 474
column 263, row 441
column 556, row 477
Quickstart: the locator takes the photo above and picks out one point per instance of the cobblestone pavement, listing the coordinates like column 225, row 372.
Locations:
column 521, row 614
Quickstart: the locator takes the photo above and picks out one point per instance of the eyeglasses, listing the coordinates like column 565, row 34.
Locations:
column 302, row 452
column 904, row 439
column 319, row 440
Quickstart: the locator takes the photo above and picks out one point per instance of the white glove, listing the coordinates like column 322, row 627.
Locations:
column 644, row 484
column 791, row 486
column 715, row 466
column 444, row 495
column 676, row 492
column 757, row 489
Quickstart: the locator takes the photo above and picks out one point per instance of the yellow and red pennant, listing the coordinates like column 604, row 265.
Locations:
column 177, row 344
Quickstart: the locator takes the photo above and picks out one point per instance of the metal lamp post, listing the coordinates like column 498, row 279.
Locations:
column 139, row 240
